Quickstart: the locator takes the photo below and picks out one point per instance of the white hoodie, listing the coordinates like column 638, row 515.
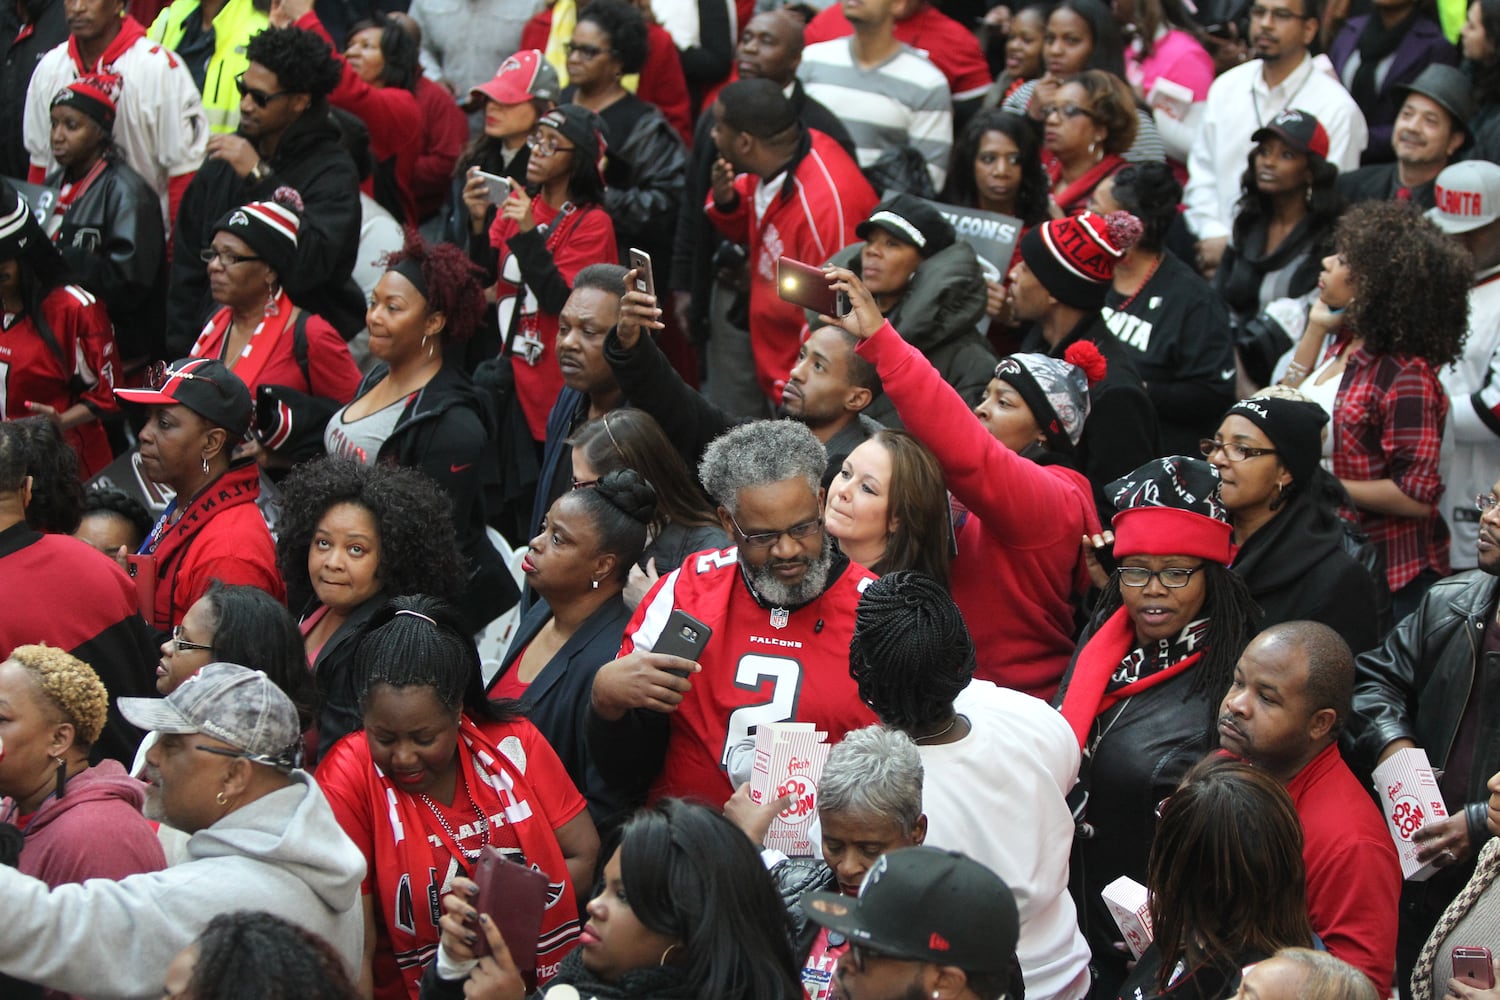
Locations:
column 283, row 853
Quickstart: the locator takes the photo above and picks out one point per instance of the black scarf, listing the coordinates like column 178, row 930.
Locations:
column 1376, row 42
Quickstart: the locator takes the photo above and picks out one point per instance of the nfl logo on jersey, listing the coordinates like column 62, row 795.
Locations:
column 780, row 617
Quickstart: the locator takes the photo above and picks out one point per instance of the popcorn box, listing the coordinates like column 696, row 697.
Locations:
column 789, row 759
column 1409, row 794
column 1128, row 902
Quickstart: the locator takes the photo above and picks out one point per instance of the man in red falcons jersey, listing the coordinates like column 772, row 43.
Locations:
column 781, row 609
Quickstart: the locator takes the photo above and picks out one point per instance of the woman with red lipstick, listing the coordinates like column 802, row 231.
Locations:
column 438, row 776
column 684, row 912
column 1143, row 691
column 351, row 537
column 577, row 565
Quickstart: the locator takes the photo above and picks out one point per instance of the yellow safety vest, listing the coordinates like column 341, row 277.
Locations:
column 233, row 27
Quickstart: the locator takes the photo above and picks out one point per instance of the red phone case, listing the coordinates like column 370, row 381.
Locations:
column 515, row 897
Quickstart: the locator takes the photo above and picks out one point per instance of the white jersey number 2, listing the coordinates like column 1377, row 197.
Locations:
column 753, row 671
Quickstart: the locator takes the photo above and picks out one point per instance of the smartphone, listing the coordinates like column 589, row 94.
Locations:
column 807, row 286
column 515, row 897
column 683, row 636
column 1473, row 966
column 497, row 188
column 640, row 262
column 142, row 570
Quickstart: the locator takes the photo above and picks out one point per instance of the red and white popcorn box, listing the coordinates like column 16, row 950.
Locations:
column 1410, row 796
column 1129, row 904
column 789, row 759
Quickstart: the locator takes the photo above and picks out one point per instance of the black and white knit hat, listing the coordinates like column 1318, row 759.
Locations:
column 1056, row 390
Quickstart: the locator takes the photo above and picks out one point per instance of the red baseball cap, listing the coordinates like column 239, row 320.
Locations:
column 522, row 77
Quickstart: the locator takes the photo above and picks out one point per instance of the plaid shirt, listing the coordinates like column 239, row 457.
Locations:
column 1388, row 424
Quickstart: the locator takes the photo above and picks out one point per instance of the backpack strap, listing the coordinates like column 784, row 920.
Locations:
column 299, row 347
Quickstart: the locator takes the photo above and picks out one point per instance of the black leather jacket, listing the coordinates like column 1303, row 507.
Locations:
column 1416, row 684
column 795, row 878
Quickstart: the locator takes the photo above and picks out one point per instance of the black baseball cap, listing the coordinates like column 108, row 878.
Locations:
column 911, row 220
column 922, row 904
column 203, row 385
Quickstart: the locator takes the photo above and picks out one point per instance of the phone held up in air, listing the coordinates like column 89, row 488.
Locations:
column 1473, row 966
column 640, row 263
column 683, row 636
column 515, row 897
column 806, row 285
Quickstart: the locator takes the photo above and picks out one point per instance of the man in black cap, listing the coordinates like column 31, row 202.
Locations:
column 926, row 923
column 1431, row 127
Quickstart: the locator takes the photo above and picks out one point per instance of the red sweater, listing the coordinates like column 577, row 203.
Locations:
column 1019, row 568
column 95, row 830
column 952, row 48
column 1353, row 874
column 823, row 197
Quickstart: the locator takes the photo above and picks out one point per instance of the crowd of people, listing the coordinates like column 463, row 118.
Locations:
column 438, row 441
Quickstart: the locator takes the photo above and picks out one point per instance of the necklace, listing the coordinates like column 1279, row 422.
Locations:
column 1134, row 295
column 484, row 823
column 921, row 740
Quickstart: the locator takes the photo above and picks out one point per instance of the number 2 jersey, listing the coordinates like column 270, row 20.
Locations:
column 763, row 664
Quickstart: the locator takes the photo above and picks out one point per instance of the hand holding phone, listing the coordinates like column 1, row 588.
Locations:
column 683, row 636
column 1473, row 966
column 640, row 263
column 807, row 286
column 497, row 188
column 514, row 897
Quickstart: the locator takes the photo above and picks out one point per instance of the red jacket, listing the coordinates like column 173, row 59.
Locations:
column 823, row 197
column 445, row 132
column 220, row 536
column 951, row 47
column 1019, row 571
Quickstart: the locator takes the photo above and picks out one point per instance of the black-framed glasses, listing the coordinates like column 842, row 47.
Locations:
column 545, row 145
column 1066, row 111
column 209, row 255
column 160, row 373
column 1484, row 502
column 179, row 644
column 1232, row 451
column 585, row 51
column 1173, row 577
column 766, row 539
column 260, row 97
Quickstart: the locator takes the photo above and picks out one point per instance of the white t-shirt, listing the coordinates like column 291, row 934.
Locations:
column 998, row 795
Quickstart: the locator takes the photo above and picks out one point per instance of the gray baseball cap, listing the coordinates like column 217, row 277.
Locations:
column 240, row 706
column 1467, row 196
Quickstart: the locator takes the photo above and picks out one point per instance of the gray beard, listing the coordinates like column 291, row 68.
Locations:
column 773, row 591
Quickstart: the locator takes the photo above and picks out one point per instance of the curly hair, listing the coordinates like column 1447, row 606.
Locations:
column 1151, row 193
column 70, row 686
column 1411, row 282
column 251, row 955
column 452, row 282
column 107, row 501
column 1112, row 105
column 758, row 454
column 626, row 28
column 56, row 490
column 398, row 48
column 418, row 547
column 301, row 61
column 1031, row 197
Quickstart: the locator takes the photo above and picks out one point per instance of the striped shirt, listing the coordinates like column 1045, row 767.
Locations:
column 902, row 101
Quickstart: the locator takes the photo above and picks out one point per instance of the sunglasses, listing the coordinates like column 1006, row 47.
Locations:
column 160, row 373
column 260, row 97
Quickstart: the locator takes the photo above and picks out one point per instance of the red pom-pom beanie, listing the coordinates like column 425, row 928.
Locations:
column 1075, row 258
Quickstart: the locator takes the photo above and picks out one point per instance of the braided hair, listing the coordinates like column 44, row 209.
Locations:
column 1232, row 621
column 255, row 954
column 911, row 653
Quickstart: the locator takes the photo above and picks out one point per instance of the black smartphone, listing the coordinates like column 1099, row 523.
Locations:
column 807, row 286
column 640, row 262
column 683, row 636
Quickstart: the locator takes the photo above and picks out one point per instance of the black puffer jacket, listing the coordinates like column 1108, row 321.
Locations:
column 311, row 160
column 937, row 316
column 795, row 878
column 1416, row 684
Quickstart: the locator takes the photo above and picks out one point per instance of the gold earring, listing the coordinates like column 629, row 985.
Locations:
column 664, row 954
column 221, row 799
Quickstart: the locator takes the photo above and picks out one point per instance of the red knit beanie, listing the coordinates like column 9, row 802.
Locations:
column 1074, row 258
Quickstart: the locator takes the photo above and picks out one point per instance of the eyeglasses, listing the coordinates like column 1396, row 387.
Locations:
column 544, row 146
column 1066, row 111
column 161, row 373
column 180, row 645
column 586, row 51
column 224, row 257
column 766, row 539
column 1485, row 501
column 1278, row 14
column 1232, row 451
column 1172, row 578
column 260, row 97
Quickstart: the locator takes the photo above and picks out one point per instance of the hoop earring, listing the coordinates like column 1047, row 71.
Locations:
column 221, row 799
column 430, row 346
column 664, row 954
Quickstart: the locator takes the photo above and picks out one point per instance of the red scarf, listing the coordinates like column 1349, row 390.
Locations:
column 402, row 849
column 1086, row 698
column 259, row 349
column 1078, row 192
column 130, row 31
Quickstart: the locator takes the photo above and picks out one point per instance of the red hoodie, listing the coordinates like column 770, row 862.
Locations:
column 95, row 830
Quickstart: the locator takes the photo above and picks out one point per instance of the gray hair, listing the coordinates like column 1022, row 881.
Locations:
column 760, row 453
column 874, row 771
